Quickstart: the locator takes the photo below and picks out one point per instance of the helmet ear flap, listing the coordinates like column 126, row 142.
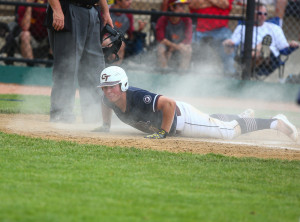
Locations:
column 124, row 84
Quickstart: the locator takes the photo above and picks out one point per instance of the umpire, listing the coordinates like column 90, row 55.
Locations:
column 74, row 35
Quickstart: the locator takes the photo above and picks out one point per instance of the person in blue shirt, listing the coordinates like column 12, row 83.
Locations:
column 160, row 116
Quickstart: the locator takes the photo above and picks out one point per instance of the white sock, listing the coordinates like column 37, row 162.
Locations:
column 274, row 124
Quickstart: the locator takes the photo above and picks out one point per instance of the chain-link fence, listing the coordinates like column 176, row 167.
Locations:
column 291, row 28
column 10, row 16
column 281, row 60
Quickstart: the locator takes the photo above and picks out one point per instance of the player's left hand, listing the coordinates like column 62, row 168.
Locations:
column 161, row 134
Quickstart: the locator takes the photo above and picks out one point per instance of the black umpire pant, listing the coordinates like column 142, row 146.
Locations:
column 77, row 57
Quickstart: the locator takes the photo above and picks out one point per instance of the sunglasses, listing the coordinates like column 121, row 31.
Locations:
column 262, row 13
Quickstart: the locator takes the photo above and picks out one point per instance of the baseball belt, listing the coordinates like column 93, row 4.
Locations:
column 82, row 5
column 178, row 113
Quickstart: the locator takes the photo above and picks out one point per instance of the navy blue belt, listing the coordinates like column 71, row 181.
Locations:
column 177, row 111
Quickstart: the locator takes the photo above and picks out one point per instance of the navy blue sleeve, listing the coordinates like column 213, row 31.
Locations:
column 288, row 50
column 145, row 100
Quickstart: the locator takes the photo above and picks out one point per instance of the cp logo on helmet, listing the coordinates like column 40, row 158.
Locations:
column 105, row 77
column 112, row 76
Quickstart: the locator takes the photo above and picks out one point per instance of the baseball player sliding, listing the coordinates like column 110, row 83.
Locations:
column 160, row 116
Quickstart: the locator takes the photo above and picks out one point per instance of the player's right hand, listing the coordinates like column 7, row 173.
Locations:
column 104, row 129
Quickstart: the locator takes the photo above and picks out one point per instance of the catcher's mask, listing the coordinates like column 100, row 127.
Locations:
column 115, row 44
column 114, row 75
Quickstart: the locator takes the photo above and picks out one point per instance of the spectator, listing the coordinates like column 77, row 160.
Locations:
column 31, row 20
column 280, row 6
column 174, row 35
column 123, row 22
column 215, row 29
column 268, row 42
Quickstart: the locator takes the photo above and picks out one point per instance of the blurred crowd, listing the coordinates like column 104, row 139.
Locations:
column 178, row 40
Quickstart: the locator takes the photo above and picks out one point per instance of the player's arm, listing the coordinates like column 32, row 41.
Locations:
column 167, row 106
column 106, row 115
column 106, row 119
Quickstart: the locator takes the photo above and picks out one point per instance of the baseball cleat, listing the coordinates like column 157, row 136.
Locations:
column 248, row 113
column 286, row 127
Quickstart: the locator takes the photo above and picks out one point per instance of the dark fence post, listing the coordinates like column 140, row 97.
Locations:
column 247, row 58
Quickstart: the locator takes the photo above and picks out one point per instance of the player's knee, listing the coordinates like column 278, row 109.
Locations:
column 161, row 49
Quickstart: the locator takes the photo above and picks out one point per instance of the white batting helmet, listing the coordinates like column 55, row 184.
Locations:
column 112, row 76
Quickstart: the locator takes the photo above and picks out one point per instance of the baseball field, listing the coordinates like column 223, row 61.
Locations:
column 65, row 172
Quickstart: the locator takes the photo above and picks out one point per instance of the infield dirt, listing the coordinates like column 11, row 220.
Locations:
column 262, row 144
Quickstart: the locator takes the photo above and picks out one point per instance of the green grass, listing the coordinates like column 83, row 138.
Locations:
column 27, row 104
column 43, row 180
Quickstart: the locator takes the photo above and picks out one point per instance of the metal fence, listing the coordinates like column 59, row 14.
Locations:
column 145, row 10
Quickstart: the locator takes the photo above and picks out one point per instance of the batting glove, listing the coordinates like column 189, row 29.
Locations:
column 161, row 134
column 104, row 129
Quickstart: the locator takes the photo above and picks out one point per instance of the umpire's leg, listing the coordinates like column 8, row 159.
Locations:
column 90, row 67
column 63, row 76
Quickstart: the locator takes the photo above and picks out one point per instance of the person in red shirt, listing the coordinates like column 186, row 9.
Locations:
column 215, row 29
column 174, row 35
column 31, row 19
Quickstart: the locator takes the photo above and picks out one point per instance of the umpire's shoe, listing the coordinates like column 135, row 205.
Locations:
column 62, row 118
column 286, row 127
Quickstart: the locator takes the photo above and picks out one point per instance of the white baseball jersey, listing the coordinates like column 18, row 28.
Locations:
column 279, row 41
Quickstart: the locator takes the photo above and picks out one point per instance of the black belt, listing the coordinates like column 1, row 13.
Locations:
column 82, row 5
column 178, row 111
